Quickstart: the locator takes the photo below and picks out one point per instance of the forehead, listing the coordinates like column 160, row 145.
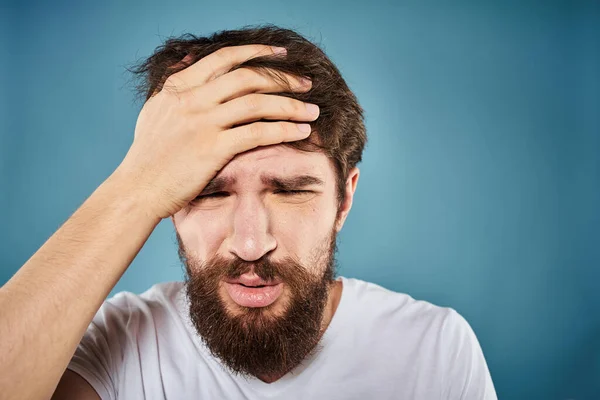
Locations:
column 277, row 160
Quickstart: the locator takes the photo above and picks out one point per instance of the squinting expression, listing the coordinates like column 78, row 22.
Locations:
column 272, row 200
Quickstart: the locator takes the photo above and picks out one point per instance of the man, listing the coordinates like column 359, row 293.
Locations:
column 249, row 142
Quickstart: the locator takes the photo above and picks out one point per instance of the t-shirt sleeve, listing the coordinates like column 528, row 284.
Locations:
column 99, row 354
column 468, row 376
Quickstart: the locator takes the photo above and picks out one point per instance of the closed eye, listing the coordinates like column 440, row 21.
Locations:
column 211, row 195
column 217, row 195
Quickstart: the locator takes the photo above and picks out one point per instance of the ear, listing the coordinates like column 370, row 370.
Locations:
column 350, row 188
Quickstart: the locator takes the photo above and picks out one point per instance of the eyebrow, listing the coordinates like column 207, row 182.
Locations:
column 281, row 183
column 217, row 184
column 291, row 182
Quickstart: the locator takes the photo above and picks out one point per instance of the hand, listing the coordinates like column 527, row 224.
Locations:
column 190, row 129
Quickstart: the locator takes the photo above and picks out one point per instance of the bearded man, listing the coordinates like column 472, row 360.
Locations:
column 249, row 141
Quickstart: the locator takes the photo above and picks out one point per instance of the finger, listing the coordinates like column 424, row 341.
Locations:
column 254, row 107
column 247, row 137
column 218, row 63
column 243, row 81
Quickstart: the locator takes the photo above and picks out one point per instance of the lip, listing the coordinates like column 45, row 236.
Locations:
column 253, row 296
column 251, row 279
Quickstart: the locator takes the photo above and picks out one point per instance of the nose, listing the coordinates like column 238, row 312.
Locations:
column 250, row 237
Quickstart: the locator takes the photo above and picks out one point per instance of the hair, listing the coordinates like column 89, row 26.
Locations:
column 339, row 132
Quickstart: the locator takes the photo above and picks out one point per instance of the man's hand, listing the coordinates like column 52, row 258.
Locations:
column 202, row 118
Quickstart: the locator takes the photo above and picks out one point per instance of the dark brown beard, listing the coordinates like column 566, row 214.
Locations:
column 255, row 341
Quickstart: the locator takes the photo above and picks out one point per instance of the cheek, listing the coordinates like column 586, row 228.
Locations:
column 202, row 232
column 299, row 231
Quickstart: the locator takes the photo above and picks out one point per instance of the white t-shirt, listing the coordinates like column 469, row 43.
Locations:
column 379, row 345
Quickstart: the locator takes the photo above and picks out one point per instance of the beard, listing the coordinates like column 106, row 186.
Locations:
column 262, row 341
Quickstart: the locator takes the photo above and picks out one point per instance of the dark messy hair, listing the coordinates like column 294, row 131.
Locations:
column 340, row 131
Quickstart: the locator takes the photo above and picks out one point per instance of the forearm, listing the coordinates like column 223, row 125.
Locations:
column 48, row 304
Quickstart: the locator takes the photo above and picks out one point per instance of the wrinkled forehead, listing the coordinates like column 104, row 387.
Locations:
column 251, row 167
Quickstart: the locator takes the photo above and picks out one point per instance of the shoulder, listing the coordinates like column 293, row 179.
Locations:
column 159, row 294
column 372, row 297
column 422, row 334
column 128, row 310
column 400, row 314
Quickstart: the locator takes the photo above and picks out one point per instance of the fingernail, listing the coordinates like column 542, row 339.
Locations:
column 279, row 50
column 304, row 128
column 312, row 109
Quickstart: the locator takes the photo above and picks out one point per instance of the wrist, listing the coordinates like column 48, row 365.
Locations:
column 124, row 189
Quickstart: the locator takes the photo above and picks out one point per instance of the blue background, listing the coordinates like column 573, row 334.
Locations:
column 480, row 185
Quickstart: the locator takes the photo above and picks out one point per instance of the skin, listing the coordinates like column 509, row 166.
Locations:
column 183, row 137
column 250, row 218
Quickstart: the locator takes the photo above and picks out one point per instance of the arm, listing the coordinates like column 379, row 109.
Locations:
column 48, row 304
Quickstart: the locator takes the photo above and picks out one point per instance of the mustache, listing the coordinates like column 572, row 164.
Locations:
column 265, row 269
column 287, row 269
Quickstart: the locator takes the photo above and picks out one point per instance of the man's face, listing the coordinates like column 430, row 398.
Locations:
column 269, row 219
